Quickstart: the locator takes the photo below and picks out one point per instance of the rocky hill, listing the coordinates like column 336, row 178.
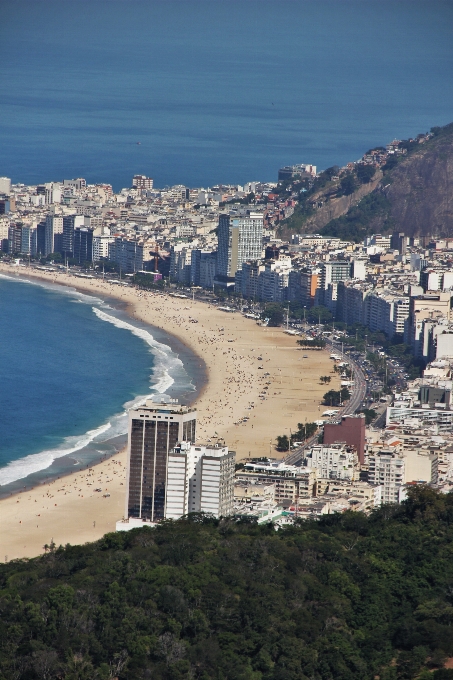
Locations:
column 419, row 189
column 414, row 196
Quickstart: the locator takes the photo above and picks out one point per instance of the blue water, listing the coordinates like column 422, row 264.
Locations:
column 215, row 90
column 69, row 363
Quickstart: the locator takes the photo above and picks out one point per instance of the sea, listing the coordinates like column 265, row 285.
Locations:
column 199, row 92
column 70, row 366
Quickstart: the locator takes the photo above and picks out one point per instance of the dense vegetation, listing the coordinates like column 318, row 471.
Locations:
column 304, row 431
column 336, row 397
column 371, row 214
column 347, row 598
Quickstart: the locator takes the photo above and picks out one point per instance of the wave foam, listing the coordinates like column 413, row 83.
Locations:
column 165, row 363
column 35, row 462
column 165, row 359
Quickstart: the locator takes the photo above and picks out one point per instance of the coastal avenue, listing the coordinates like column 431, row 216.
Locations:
column 358, row 395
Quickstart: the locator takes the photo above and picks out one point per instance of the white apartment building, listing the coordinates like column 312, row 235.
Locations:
column 388, row 470
column 142, row 182
column 5, row 185
column 200, row 479
column 291, row 482
column 333, row 462
column 273, row 280
column 420, row 417
column 240, row 238
column 386, row 312
column 101, row 246
column 53, row 234
column 4, row 229
column 53, row 193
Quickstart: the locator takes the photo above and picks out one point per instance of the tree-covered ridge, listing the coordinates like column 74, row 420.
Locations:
column 413, row 195
column 348, row 597
column 371, row 214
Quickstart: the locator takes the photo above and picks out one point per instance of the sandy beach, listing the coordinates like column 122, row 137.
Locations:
column 253, row 372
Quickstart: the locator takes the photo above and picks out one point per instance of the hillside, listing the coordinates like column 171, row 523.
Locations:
column 413, row 195
column 346, row 598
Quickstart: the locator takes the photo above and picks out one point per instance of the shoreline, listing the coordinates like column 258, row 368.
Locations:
column 258, row 385
column 108, row 434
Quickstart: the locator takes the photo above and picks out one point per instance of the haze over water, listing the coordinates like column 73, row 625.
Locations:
column 214, row 90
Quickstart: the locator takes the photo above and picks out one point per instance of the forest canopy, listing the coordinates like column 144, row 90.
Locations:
column 348, row 597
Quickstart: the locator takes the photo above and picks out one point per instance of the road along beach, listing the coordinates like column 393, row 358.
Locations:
column 259, row 385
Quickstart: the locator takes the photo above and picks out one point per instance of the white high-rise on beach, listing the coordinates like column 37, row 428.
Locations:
column 200, row 479
column 240, row 239
column 168, row 474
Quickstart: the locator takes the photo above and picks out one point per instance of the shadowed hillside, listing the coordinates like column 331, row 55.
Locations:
column 414, row 195
column 348, row 597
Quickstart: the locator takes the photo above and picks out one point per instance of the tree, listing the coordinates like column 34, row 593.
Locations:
column 308, row 343
column 332, row 171
column 55, row 257
column 365, row 173
column 332, row 398
column 370, row 414
column 325, row 379
column 319, row 314
column 274, row 312
column 282, row 443
column 336, row 397
column 390, row 163
column 305, row 431
column 347, row 184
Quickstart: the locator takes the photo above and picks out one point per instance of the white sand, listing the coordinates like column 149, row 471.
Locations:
column 70, row 511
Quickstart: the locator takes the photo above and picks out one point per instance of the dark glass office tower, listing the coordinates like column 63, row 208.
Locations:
column 154, row 430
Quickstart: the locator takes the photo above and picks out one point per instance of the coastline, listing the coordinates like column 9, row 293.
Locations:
column 175, row 370
column 275, row 392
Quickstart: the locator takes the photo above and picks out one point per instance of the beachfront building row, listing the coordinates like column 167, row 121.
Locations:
column 170, row 476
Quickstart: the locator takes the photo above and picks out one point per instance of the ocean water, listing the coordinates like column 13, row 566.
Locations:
column 214, row 90
column 70, row 365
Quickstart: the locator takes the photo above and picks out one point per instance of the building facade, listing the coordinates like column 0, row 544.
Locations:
column 154, row 431
column 240, row 238
column 200, row 479
column 128, row 255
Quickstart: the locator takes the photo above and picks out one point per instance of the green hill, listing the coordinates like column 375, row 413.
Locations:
column 346, row 598
column 413, row 195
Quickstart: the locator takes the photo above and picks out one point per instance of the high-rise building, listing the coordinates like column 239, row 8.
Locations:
column 70, row 223
column 154, row 430
column 52, row 193
column 142, row 182
column 83, row 245
column 387, row 469
column 351, row 430
column 200, row 479
column 302, row 286
column 398, row 241
column 101, row 246
column 14, row 239
column 240, row 238
column 41, row 238
column 26, row 240
column 128, row 255
column 54, row 234
column 4, row 233
column 5, row 205
column 76, row 184
column 5, row 185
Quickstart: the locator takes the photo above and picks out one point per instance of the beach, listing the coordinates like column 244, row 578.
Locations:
column 260, row 384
